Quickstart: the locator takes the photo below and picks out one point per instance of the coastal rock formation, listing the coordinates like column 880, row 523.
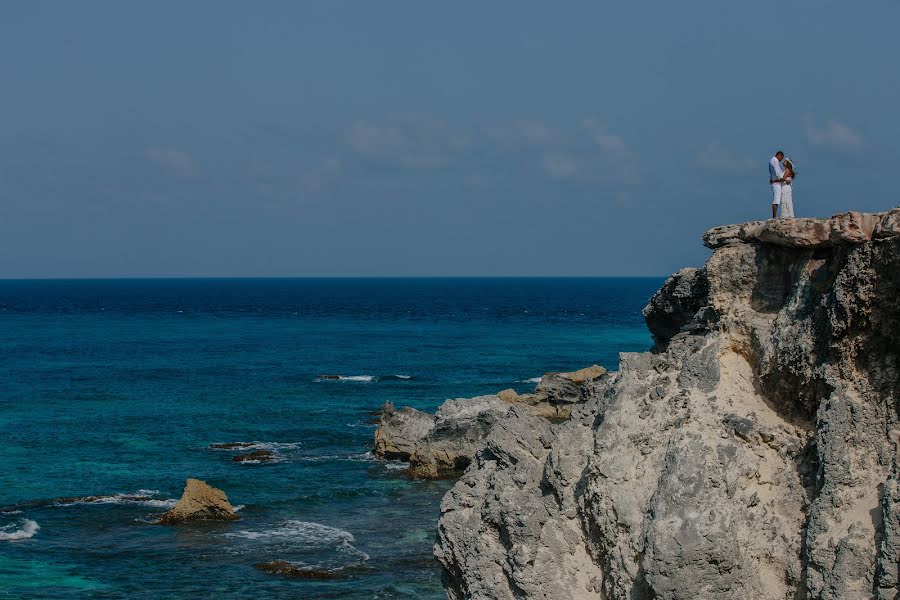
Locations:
column 200, row 502
column 752, row 454
column 292, row 571
column 439, row 445
column 256, row 456
column 443, row 444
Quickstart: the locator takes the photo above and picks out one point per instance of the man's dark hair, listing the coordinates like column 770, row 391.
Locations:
column 779, row 152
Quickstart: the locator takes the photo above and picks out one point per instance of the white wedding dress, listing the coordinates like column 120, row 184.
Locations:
column 787, row 199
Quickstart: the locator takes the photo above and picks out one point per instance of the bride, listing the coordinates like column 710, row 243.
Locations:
column 787, row 191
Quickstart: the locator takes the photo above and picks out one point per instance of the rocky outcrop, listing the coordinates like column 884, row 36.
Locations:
column 442, row 445
column 292, row 571
column 752, row 454
column 256, row 456
column 439, row 445
column 200, row 502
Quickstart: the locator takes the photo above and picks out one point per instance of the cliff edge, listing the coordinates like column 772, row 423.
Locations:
column 752, row 454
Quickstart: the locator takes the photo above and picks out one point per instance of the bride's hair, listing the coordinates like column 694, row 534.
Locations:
column 790, row 164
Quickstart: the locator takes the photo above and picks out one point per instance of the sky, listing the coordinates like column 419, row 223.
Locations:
column 409, row 138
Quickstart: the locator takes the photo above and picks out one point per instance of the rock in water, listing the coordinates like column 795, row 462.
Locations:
column 401, row 431
column 290, row 570
column 256, row 456
column 200, row 502
column 754, row 454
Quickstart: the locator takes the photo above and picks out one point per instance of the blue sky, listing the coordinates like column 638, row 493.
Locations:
column 423, row 138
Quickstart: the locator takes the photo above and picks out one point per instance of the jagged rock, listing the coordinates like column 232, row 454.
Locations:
column 676, row 304
column 200, row 502
column 401, row 431
column 442, row 445
column 722, row 235
column 888, row 225
column 261, row 456
column 753, row 454
column 845, row 228
column 565, row 388
column 853, row 227
column 460, row 427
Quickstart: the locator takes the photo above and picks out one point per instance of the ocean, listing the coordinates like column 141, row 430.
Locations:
column 117, row 388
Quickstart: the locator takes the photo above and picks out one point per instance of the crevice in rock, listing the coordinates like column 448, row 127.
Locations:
column 776, row 275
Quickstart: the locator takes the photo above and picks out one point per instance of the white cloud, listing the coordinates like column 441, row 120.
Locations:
column 590, row 154
column 558, row 166
column 609, row 143
column 832, row 135
column 715, row 157
column 411, row 142
column 176, row 162
column 524, row 134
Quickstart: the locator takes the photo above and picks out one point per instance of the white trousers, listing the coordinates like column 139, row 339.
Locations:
column 787, row 202
column 776, row 193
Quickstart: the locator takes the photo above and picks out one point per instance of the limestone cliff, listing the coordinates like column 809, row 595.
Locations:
column 752, row 454
column 443, row 444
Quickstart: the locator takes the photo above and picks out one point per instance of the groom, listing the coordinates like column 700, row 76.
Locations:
column 776, row 174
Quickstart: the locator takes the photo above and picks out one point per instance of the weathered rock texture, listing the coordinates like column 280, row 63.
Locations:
column 443, row 444
column 752, row 454
column 200, row 502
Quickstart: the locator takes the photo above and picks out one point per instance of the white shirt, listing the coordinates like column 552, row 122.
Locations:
column 776, row 171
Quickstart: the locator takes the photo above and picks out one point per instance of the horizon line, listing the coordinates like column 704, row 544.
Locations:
column 272, row 277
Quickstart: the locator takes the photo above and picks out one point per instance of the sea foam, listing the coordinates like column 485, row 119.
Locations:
column 21, row 530
column 305, row 533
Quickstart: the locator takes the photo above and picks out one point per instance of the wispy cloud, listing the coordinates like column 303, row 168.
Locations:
column 411, row 142
column 558, row 165
column 174, row 161
column 715, row 157
column 524, row 134
column 832, row 135
column 589, row 153
column 611, row 144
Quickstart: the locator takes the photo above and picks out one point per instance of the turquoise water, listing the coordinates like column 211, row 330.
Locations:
column 119, row 387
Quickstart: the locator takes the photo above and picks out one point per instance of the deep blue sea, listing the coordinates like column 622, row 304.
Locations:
column 118, row 387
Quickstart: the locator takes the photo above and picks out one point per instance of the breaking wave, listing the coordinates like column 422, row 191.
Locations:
column 142, row 497
column 305, row 533
column 20, row 530
column 362, row 378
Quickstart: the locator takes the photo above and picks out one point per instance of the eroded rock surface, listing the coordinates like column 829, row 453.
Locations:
column 443, row 444
column 200, row 502
column 753, row 454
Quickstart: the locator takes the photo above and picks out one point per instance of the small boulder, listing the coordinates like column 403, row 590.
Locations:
column 566, row 388
column 509, row 395
column 889, row 225
column 722, row 236
column 853, row 227
column 200, row 502
column 261, row 456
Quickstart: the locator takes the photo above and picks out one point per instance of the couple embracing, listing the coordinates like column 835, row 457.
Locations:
column 781, row 176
